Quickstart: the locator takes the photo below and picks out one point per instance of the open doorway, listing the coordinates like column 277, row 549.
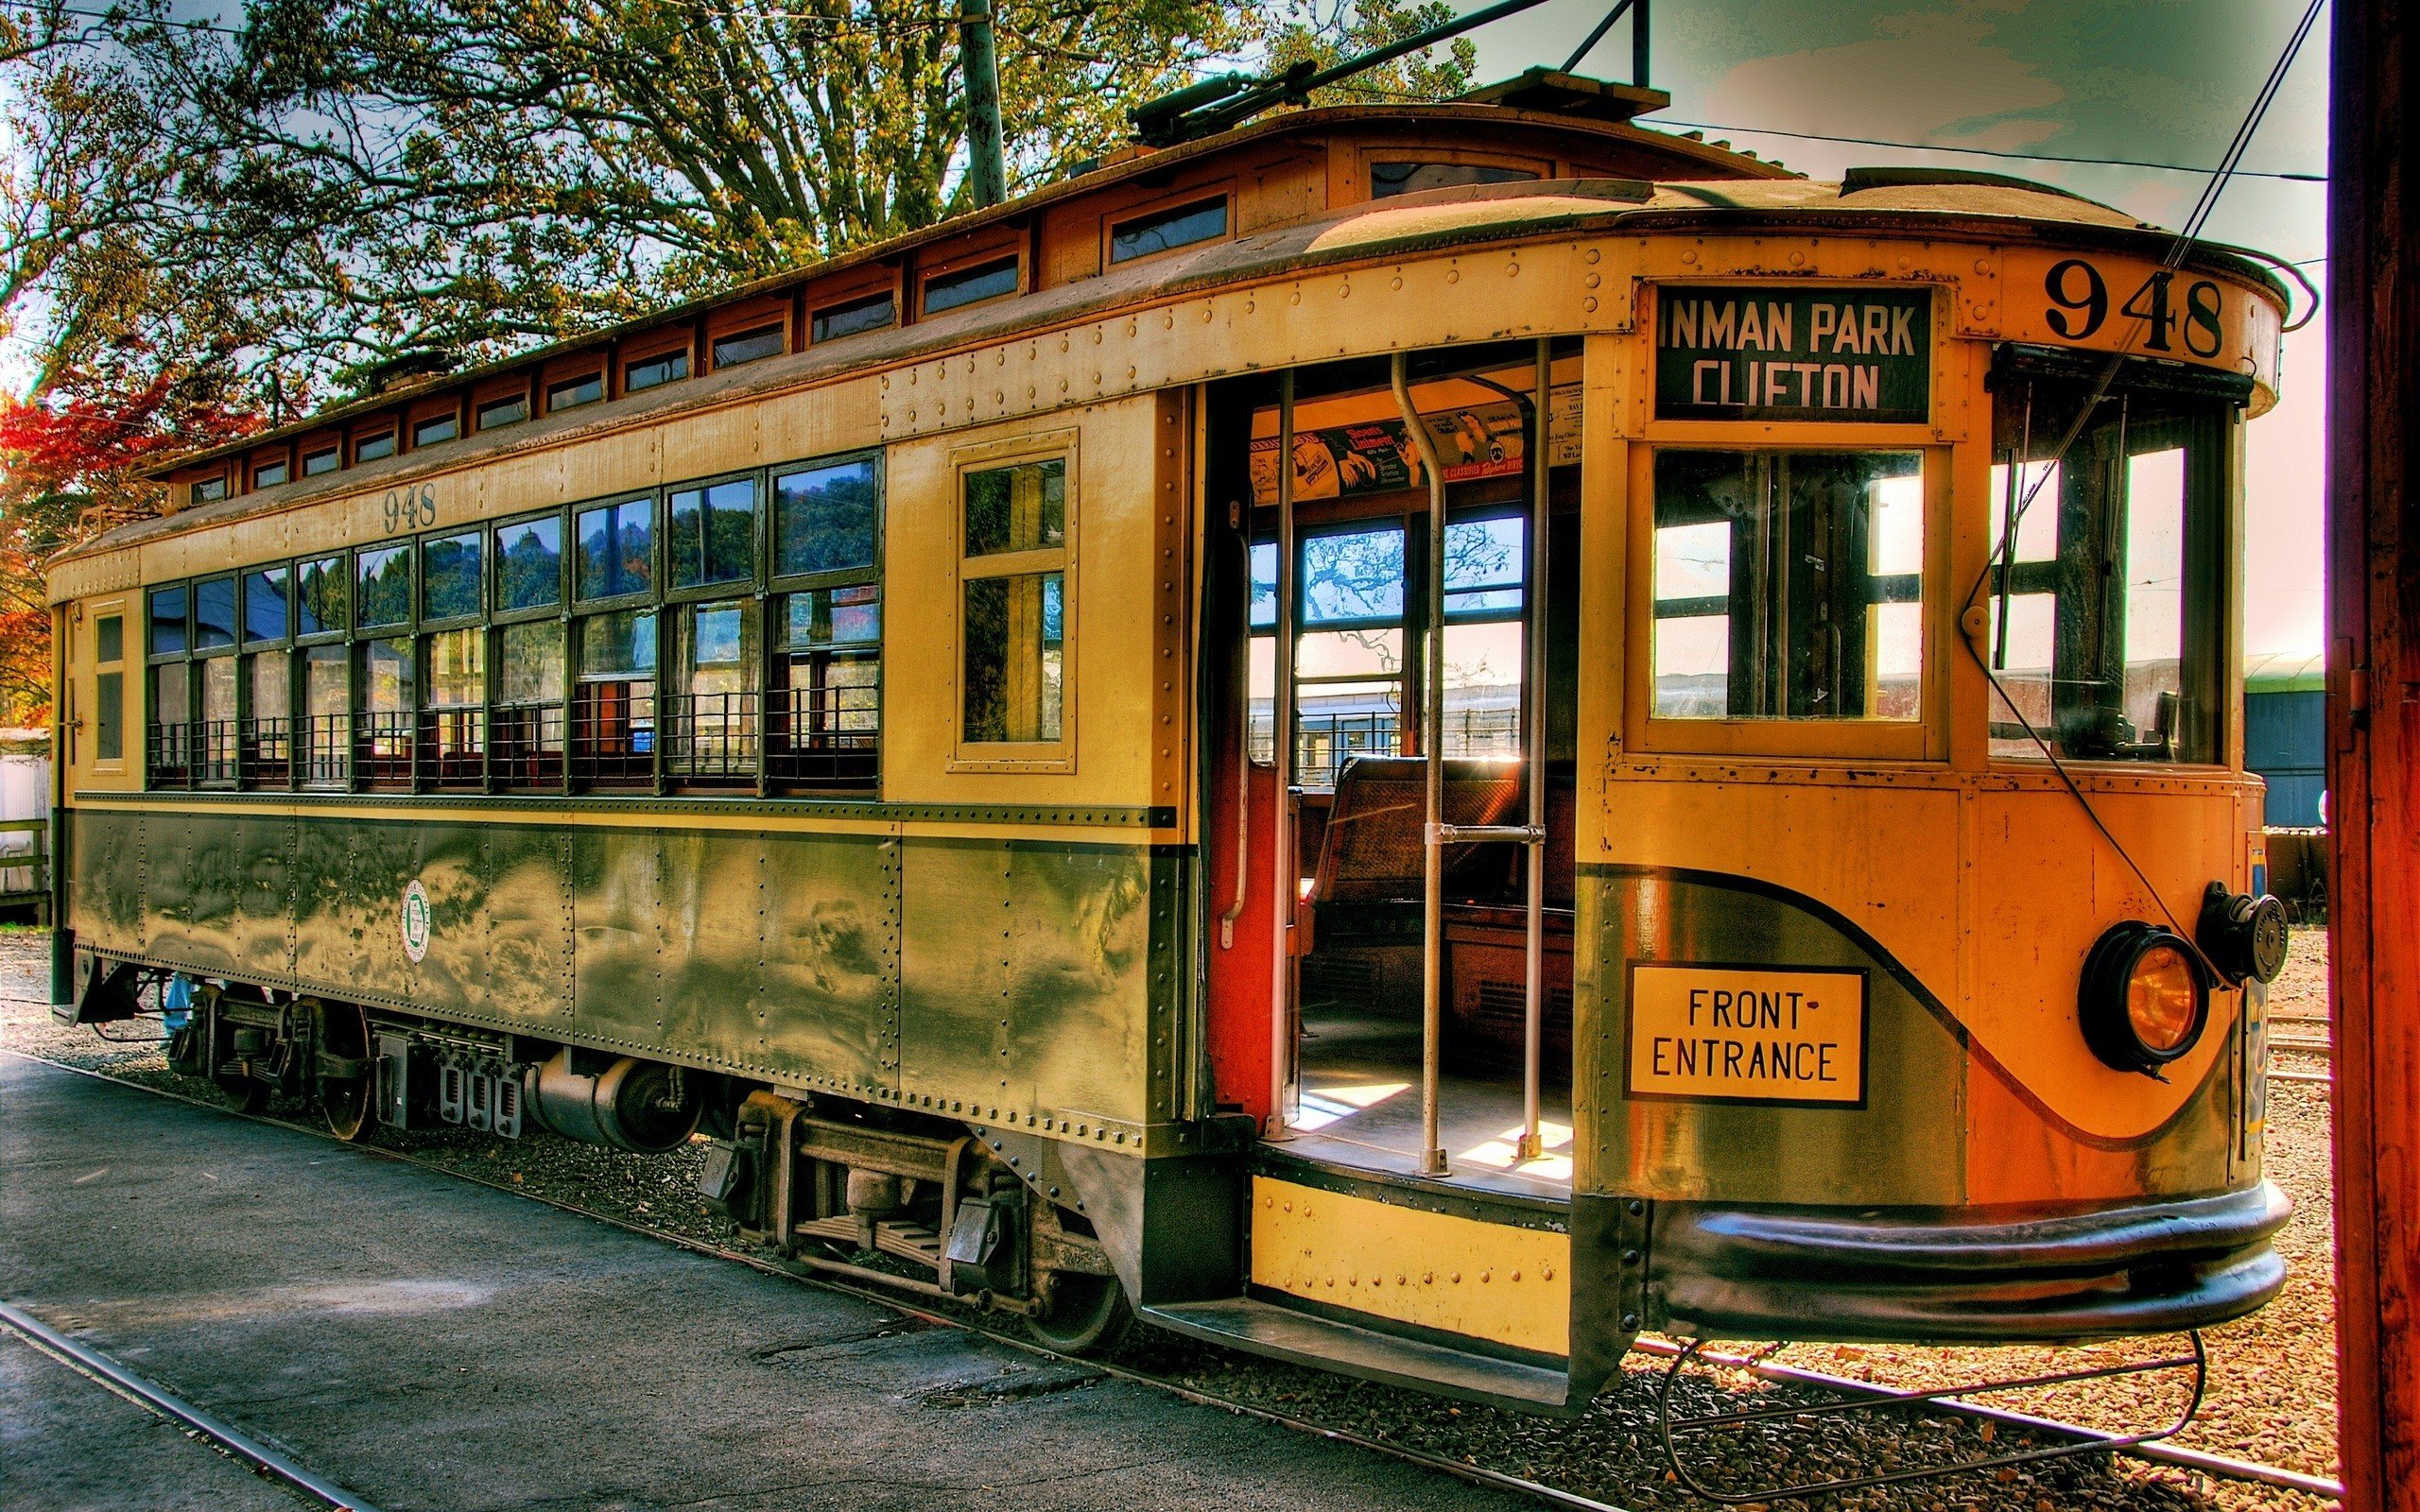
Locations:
column 1318, row 1022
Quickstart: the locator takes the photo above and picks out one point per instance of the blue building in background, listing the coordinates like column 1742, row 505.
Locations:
column 2285, row 734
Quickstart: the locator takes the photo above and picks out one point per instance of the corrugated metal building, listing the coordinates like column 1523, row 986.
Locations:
column 2285, row 734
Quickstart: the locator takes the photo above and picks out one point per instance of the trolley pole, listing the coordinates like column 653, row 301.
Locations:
column 2374, row 729
column 986, row 167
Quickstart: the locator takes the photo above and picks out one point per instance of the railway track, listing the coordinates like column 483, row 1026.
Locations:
column 2300, row 1042
column 113, row 1376
column 806, row 1272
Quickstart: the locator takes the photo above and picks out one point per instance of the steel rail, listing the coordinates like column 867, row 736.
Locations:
column 804, row 1275
column 87, row 1361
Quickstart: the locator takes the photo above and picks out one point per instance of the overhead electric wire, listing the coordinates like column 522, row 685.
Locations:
column 1991, row 152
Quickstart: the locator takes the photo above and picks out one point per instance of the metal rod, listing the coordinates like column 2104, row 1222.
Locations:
column 1432, row 730
column 986, row 169
column 1282, row 900
column 1596, row 36
column 117, row 1377
column 1533, row 1018
column 1638, row 44
column 1243, row 750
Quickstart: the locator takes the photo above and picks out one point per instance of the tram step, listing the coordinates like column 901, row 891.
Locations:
column 1284, row 1333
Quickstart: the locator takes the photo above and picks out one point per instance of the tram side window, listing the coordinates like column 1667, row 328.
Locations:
column 383, row 733
column 109, row 688
column 613, row 731
column 327, row 717
column 452, row 727
column 824, row 719
column 715, row 737
column 1016, row 608
column 1486, row 563
column 2107, row 596
column 1789, row 584
column 318, row 597
column 714, row 533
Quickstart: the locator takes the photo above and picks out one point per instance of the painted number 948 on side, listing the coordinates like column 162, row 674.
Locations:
column 2078, row 305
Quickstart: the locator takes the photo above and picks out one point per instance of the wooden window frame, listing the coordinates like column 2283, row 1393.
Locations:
column 225, row 476
column 497, row 613
column 131, row 626
column 258, row 460
column 1033, row 756
column 778, row 311
column 319, row 444
column 647, row 348
column 433, row 409
column 817, row 299
column 497, row 390
column 1369, row 155
column 358, row 436
column 564, row 370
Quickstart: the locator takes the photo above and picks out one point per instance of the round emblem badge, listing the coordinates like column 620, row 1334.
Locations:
column 415, row 921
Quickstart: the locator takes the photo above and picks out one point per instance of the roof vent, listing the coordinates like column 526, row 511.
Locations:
column 1550, row 92
column 1857, row 180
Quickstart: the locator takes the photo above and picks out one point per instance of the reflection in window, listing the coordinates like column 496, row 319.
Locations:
column 389, row 699
column 270, row 474
column 383, row 594
column 613, row 734
column 435, row 429
column 1016, row 657
column 373, row 448
column 714, row 533
column 1388, row 179
column 168, row 608
column 214, row 614
column 824, row 518
column 654, row 372
column 318, row 601
column 1016, row 509
column 265, row 606
column 2106, row 605
column 872, row 313
column 715, row 735
column 209, row 490
column 530, row 563
column 316, row 463
column 986, row 280
column 616, row 549
column 1789, row 586
column 497, row 413
column 831, row 672
column 573, row 392
column 1165, row 229
column 450, row 575
column 525, row 729
column 215, row 754
column 268, row 744
column 452, row 722
column 327, row 726
column 749, row 346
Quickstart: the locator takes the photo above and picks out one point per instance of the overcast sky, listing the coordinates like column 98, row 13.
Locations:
column 2152, row 80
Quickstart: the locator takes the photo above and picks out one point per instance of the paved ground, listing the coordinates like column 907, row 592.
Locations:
column 433, row 1344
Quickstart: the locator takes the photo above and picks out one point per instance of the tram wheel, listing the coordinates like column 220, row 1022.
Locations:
column 1088, row 1315
column 241, row 1093
column 346, row 1102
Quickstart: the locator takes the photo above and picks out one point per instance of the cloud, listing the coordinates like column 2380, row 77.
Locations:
column 1936, row 77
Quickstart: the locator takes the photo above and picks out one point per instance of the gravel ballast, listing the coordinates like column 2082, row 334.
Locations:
column 2271, row 1390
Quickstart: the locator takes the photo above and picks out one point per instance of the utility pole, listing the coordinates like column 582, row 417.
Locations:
column 2373, row 537
column 987, row 164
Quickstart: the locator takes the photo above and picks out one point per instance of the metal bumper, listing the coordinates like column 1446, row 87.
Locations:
column 1933, row 1278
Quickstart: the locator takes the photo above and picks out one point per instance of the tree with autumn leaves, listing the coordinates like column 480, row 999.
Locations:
column 206, row 230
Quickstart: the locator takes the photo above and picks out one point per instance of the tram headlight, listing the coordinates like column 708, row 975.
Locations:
column 2145, row 998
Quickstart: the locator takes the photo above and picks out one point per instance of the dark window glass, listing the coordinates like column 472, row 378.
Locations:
column 872, row 313
column 319, row 603
column 714, row 533
column 315, row 463
column 1016, row 509
column 1388, row 179
column 1165, row 229
column 985, row 281
column 437, row 428
column 824, row 518
column 749, row 346
column 384, row 595
column 670, row 368
column 497, row 413
column 108, row 638
column 264, row 604
column 573, row 392
column 1016, row 657
column 530, row 563
column 109, row 719
column 450, row 575
column 616, row 549
column 214, row 614
column 371, row 448
column 209, row 488
column 169, row 606
column 270, row 474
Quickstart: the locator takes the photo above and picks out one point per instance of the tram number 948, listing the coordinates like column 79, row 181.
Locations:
column 411, row 508
column 2079, row 306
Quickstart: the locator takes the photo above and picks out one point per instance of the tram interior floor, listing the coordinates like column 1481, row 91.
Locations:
column 1360, row 1106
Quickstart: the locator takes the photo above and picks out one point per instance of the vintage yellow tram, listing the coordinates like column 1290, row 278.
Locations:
column 1419, row 738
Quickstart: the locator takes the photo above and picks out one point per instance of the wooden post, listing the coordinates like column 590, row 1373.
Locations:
column 2374, row 729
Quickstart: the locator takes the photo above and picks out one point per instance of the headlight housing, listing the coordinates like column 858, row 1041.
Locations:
column 2145, row 997
column 2244, row 936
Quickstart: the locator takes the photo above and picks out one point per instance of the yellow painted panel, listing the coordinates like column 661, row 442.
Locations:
column 1432, row 1270
column 1739, row 1034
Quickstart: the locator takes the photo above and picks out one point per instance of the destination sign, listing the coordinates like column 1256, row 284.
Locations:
column 1807, row 352
column 1747, row 1033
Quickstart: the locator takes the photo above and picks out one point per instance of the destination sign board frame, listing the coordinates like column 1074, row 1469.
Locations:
column 1776, row 981
column 1829, row 353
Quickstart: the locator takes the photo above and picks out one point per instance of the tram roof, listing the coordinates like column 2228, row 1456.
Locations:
column 1864, row 202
